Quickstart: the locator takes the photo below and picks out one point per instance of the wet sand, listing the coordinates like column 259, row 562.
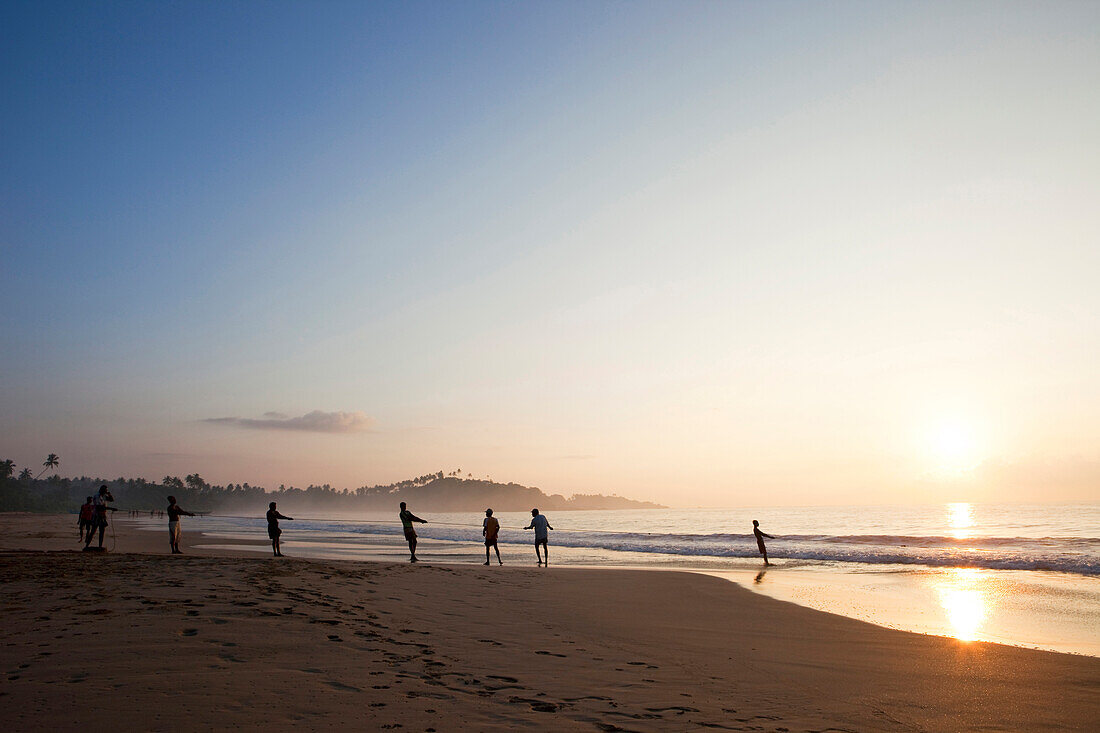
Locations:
column 141, row 640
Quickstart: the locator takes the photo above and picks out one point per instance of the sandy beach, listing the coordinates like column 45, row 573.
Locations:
column 141, row 640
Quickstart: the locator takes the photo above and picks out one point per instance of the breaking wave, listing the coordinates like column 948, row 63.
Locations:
column 1062, row 554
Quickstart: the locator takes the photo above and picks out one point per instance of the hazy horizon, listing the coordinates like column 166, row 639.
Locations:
column 701, row 254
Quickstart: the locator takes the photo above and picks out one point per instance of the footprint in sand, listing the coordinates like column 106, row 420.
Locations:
column 539, row 706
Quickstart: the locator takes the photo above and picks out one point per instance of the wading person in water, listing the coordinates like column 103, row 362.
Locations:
column 273, row 530
column 174, row 514
column 99, row 520
column 540, row 524
column 491, row 528
column 760, row 540
column 407, row 519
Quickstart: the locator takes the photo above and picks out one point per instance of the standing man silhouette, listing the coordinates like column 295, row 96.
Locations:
column 174, row 514
column 407, row 519
column 760, row 540
column 87, row 516
column 99, row 521
column 491, row 528
column 540, row 524
column 273, row 530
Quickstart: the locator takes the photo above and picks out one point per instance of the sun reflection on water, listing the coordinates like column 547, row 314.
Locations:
column 963, row 597
column 960, row 517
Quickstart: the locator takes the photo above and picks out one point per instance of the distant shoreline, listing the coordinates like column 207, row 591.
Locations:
column 442, row 493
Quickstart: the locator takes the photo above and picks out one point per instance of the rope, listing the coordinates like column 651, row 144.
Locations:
column 440, row 524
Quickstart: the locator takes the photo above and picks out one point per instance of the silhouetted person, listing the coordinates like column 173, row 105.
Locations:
column 174, row 514
column 407, row 519
column 99, row 521
column 491, row 528
column 273, row 530
column 540, row 524
column 760, row 540
column 87, row 514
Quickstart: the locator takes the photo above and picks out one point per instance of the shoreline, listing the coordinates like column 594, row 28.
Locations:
column 1028, row 609
column 1025, row 608
column 252, row 642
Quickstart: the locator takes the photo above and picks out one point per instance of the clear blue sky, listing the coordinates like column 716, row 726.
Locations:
column 697, row 248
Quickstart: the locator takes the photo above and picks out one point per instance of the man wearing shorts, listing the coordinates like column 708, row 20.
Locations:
column 540, row 524
column 87, row 515
column 273, row 530
column 407, row 519
column 174, row 514
column 491, row 528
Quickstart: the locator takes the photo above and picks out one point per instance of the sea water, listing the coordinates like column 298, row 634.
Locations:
column 1020, row 574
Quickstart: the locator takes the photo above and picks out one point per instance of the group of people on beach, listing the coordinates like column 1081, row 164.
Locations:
column 490, row 530
column 93, row 516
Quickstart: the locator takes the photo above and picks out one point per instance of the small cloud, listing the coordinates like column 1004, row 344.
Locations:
column 315, row 422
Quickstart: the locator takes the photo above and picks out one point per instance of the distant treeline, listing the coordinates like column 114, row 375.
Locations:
column 432, row 492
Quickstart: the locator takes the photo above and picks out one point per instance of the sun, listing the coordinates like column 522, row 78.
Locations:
column 954, row 445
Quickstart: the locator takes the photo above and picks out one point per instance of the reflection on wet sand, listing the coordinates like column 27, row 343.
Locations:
column 963, row 596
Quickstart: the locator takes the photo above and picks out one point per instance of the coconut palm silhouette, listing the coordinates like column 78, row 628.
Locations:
column 52, row 461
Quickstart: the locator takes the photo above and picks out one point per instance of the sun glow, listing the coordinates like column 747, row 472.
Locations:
column 960, row 517
column 954, row 446
column 964, row 600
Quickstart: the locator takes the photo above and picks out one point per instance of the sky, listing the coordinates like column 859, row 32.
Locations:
column 705, row 254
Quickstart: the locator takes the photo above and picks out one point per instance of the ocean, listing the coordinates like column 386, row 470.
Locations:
column 1027, row 575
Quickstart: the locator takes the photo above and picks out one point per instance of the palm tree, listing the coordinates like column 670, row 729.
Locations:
column 7, row 468
column 25, row 474
column 52, row 461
